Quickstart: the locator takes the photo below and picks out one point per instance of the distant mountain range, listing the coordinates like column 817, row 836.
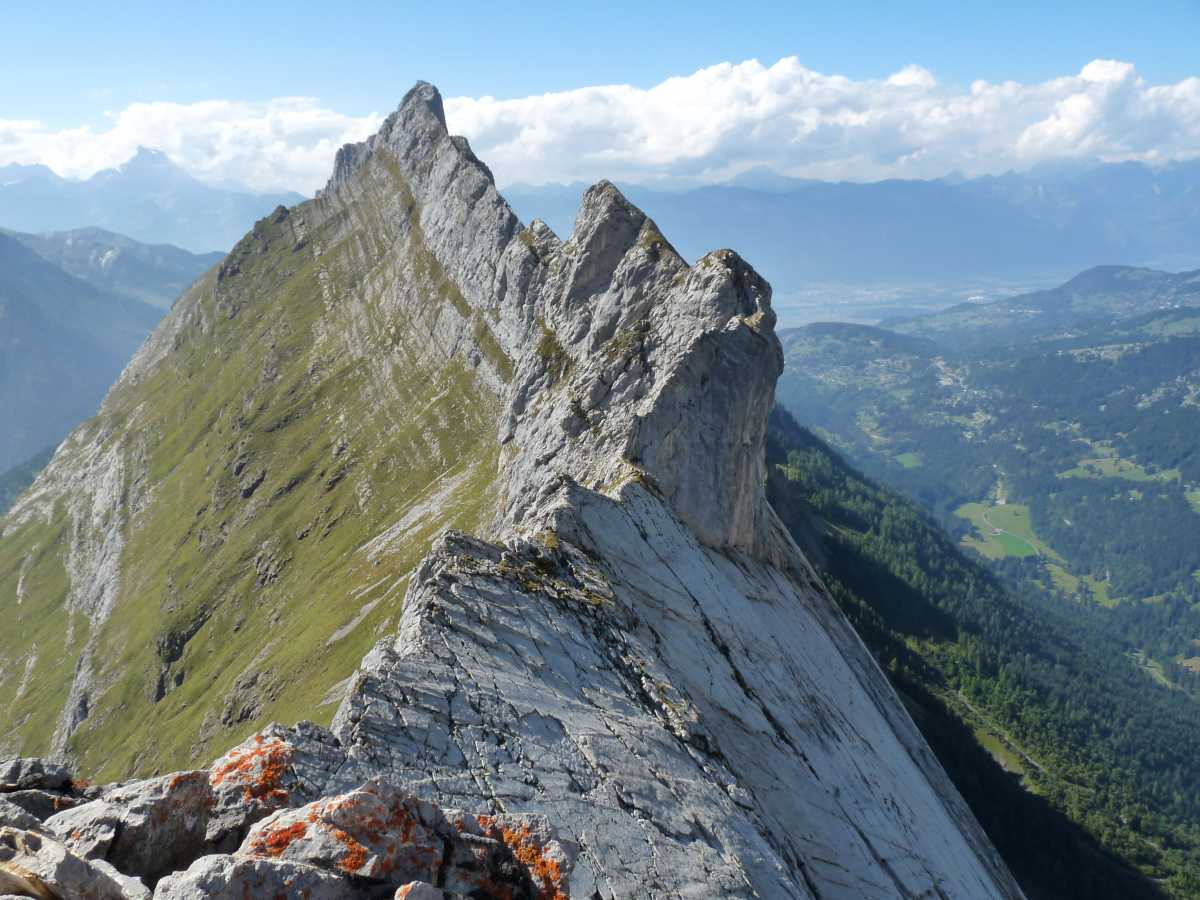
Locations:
column 150, row 273
column 1048, row 222
column 1098, row 298
column 74, row 307
column 148, row 198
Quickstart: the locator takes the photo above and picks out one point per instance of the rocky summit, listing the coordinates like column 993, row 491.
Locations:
column 486, row 506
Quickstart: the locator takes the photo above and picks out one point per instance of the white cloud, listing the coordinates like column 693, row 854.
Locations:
column 287, row 143
column 727, row 118
column 706, row 126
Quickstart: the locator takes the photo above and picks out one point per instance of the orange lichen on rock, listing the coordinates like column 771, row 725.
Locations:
column 183, row 778
column 258, row 769
column 528, row 850
column 273, row 842
column 356, row 854
column 401, row 820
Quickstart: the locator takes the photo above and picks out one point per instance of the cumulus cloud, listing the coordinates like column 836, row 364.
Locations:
column 706, row 126
column 287, row 143
column 728, row 118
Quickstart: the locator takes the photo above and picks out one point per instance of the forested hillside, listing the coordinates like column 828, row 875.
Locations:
column 1080, row 769
column 1071, row 462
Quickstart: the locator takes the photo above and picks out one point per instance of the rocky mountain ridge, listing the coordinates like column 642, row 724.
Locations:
column 631, row 656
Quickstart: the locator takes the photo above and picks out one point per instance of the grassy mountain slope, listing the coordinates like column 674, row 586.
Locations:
column 304, row 425
column 1065, row 788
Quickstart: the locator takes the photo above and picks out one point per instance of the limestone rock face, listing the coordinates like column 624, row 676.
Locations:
column 625, row 682
column 624, row 375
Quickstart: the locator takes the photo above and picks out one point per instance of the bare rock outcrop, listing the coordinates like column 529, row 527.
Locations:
column 267, row 819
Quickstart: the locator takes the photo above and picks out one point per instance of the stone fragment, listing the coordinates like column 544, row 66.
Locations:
column 373, row 832
column 40, row 804
column 25, row 773
column 221, row 877
column 33, row 865
column 144, row 828
column 134, row 888
column 381, row 833
column 13, row 816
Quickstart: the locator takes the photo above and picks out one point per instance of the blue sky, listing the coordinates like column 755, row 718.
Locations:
column 262, row 92
column 64, row 62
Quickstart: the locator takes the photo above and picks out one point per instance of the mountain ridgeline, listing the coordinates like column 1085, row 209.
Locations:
column 154, row 274
column 489, row 506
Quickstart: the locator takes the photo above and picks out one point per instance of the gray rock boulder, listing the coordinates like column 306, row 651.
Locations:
column 28, row 773
column 144, row 828
column 13, row 816
column 34, row 865
column 134, row 888
column 41, row 804
column 274, row 769
column 378, row 833
column 223, row 877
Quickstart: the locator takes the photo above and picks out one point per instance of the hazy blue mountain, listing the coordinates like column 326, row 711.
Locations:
column 152, row 273
column 14, row 481
column 18, row 172
column 62, row 343
column 148, row 198
column 1048, row 222
column 1100, row 297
